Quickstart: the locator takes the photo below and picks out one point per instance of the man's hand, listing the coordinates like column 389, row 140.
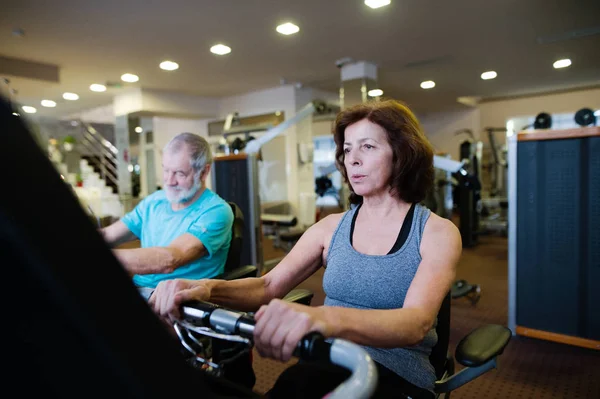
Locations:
column 170, row 294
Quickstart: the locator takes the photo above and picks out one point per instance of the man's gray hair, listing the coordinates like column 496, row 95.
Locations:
column 198, row 147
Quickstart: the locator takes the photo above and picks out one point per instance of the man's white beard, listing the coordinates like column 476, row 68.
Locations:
column 181, row 196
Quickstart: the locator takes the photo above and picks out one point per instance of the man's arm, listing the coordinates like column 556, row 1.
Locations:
column 117, row 233
column 162, row 260
column 249, row 294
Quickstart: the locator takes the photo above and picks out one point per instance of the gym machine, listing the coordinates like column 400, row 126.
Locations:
column 494, row 209
column 467, row 193
column 235, row 179
column 460, row 288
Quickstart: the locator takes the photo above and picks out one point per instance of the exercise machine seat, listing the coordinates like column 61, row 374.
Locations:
column 482, row 344
column 233, row 270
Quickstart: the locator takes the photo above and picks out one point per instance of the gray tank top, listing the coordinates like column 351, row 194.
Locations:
column 356, row 280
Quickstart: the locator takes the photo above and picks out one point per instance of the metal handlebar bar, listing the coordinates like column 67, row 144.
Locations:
column 217, row 322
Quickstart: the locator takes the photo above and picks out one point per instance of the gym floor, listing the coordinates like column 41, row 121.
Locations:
column 529, row 368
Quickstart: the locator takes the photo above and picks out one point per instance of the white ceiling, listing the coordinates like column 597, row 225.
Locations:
column 450, row 42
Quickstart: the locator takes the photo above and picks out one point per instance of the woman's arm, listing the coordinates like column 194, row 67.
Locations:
column 440, row 250
column 250, row 293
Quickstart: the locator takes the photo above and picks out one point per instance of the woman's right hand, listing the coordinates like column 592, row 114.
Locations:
column 170, row 294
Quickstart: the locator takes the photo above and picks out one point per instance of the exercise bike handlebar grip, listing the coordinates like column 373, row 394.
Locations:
column 311, row 347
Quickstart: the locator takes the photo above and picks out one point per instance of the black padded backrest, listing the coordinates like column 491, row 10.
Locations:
column 78, row 327
column 237, row 239
column 439, row 352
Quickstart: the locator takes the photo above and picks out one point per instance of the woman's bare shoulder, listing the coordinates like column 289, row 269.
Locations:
column 332, row 219
column 328, row 224
column 439, row 228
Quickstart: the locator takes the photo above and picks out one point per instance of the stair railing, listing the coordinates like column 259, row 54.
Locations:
column 101, row 149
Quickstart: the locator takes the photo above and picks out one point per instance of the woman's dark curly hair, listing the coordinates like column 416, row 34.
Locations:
column 412, row 168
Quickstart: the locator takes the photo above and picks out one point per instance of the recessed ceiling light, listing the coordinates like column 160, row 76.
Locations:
column 562, row 63
column 97, row 87
column 28, row 109
column 138, row 129
column 169, row 65
column 489, row 75
column 220, row 49
column 48, row 103
column 129, row 77
column 70, row 96
column 377, row 3
column 375, row 93
column 287, row 29
column 428, row 84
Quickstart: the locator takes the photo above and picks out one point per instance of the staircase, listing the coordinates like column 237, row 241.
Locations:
column 94, row 177
column 96, row 162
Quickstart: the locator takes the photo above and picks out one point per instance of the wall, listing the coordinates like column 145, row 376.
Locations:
column 104, row 114
column 178, row 105
column 497, row 113
column 279, row 98
column 441, row 127
column 127, row 102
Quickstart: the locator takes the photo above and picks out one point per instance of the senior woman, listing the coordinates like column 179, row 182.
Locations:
column 389, row 262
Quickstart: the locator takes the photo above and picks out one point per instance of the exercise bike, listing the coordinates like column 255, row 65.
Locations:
column 202, row 319
column 477, row 352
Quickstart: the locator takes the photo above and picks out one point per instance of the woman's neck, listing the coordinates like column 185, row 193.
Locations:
column 381, row 207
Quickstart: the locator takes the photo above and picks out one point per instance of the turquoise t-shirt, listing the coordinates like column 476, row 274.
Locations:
column 156, row 224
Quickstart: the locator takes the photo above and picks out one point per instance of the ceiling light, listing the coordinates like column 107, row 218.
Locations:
column 169, row 65
column 562, row 63
column 138, row 129
column 220, row 49
column 97, row 88
column 287, row 29
column 129, row 77
column 375, row 93
column 489, row 75
column 48, row 103
column 70, row 96
column 28, row 109
column 428, row 84
column 16, row 114
column 377, row 3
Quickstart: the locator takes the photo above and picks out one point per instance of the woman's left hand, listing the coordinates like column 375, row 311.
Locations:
column 280, row 325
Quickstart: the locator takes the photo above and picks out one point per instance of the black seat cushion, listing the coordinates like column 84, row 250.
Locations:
column 234, row 255
column 482, row 344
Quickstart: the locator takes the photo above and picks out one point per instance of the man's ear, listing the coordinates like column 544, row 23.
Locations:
column 205, row 172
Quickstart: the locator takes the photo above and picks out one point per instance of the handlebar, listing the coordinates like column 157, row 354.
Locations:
column 361, row 384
